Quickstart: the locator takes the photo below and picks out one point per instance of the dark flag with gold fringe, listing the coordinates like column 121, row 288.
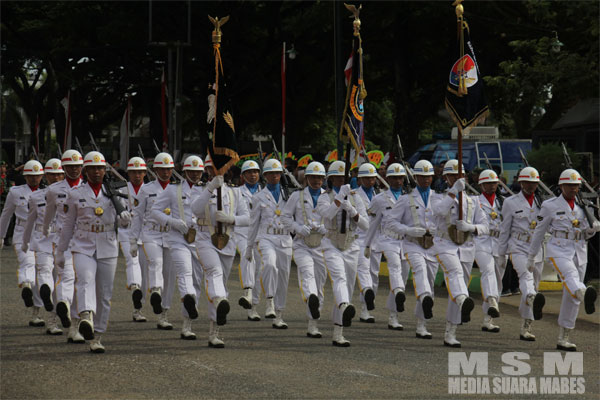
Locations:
column 222, row 144
column 465, row 100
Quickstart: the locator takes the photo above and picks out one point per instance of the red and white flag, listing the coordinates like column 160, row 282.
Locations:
column 163, row 111
column 348, row 68
column 66, row 103
column 125, row 131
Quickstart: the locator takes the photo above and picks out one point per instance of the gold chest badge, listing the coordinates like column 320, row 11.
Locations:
column 532, row 224
column 99, row 211
column 66, row 208
column 135, row 202
column 167, row 211
column 494, row 214
column 278, row 211
column 575, row 223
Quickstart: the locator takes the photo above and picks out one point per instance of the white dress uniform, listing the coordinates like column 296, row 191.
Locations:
column 215, row 264
column 16, row 203
column 300, row 211
column 89, row 228
column 177, row 198
column 491, row 264
column 519, row 220
column 135, row 275
column 153, row 234
column 566, row 250
column 342, row 261
column 274, row 245
column 249, row 273
column 56, row 210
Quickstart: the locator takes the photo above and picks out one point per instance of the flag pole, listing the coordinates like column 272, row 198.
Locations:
column 283, row 99
column 462, row 90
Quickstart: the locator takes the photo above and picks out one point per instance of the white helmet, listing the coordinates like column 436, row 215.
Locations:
column 272, row 165
column 315, row 168
column 529, row 174
column 250, row 165
column 367, row 170
column 33, row 167
column 487, row 175
column 395, row 169
column 337, row 168
column 569, row 176
column 193, row 163
column 163, row 160
column 136, row 164
column 53, row 166
column 71, row 157
column 423, row 167
column 94, row 159
column 208, row 161
column 451, row 167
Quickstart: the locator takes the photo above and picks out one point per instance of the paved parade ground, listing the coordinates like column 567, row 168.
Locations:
column 261, row 362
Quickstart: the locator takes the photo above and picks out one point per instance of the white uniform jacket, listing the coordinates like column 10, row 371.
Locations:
column 56, row 200
column 143, row 225
column 16, row 203
column 333, row 214
column 130, row 205
column 380, row 235
column 299, row 211
column 567, row 229
column 490, row 243
column 33, row 233
column 362, row 233
column 519, row 220
column 89, row 224
column 265, row 220
column 245, row 195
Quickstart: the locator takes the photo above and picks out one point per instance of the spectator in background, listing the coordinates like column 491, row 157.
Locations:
column 515, row 186
column 439, row 183
column 502, row 190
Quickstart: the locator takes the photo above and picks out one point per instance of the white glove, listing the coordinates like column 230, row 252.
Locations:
column 321, row 229
column 124, row 218
column 59, row 259
column 216, row 182
column 416, row 231
column 458, row 186
column 367, row 252
column 304, row 230
column 179, row 225
column 596, row 226
column 530, row 263
column 346, row 205
column 46, row 231
column 464, row 226
column 24, row 247
column 220, row 216
column 133, row 248
column 343, row 193
column 248, row 254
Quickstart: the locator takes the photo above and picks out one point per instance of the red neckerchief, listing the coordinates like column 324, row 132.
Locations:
column 490, row 198
column 571, row 203
column 163, row 184
column 191, row 184
column 136, row 188
column 529, row 198
column 34, row 188
column 95, row 187
column 73, row 182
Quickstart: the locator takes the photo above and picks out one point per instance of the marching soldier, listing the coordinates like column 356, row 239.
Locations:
column 519, row 219
column 491, row 265
column 137, row 279
column 273, row 242
column 172, row 208
column 153, row 234
column 249, row 271
column 215, row 249
column 41, row 245
column 341, row 248
column 390, row 244
column 564, row 219
column 89, row 227
column 16, row 203
column 55, row 213
column 300, row 216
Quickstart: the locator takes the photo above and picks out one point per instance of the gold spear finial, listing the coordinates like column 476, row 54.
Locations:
column 355, row 14
column 458, row 8
column 218, row 23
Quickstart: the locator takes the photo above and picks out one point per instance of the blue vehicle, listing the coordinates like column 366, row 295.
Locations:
column 503, row 154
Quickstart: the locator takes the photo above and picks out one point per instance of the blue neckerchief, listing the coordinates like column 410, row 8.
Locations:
column 275, row 191
column 424, row 194
column 369, row 191
column 336, row 188
column 252, row 188
column 353, row 183
column 396, row 192
column 314, row 193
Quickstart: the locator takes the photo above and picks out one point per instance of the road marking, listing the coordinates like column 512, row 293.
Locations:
column 365, row 373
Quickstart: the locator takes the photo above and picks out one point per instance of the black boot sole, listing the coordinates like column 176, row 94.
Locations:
column 189, row 303
column 538, row 304
column 27, row 296
column 222, row 311
column 521, row 337
column 369, row 296
column 455, row 346
column 313, row 306
column 156, row 303
column 86, row 330
column 427, row 305
column 465, row 310
column 563, row 348
column 46, row 294
column 63, row 313
column 136, row 297
column 336, row 344
column 419, row 336
column 493, row 330
column 244, row 303
column 349, row 313
column 400, row 299
column 588, row 299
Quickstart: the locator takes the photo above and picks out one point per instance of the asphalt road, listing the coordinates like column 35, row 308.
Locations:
column 261, row 362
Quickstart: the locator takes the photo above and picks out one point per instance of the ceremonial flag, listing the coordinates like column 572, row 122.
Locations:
column 163, row 111
column 353, row 127
column 283, row 79
column 125, row 131
column 348, row 69
column 464, row 94
column 66, row 103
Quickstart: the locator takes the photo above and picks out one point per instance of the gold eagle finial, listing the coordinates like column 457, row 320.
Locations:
column 218, row 23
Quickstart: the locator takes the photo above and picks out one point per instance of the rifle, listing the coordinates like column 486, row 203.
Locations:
column 35, row 153
column 412, row 183
column 287, row 179
column 78, row 145
column 261, row 161
column 141, row 154
column 177, row 175
column 584, row 204
column 489, row 165
column 542, row 184
column 383, row 181
column 60, row 153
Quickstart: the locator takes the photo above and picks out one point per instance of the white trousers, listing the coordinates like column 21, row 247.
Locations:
column 312, row 273
column 94, row 287
column 181, row 260
column 341, row 267
column 248, row 271
column 44, row 265
column 133, row 270
column 454, row 274
column 367, row 271
column 64, row 290
column 571, row 274
column 424, row 270
column 492, row 270
column 275, row 264
column 209, row 271
column 527, row 284
column 161, row 272
column 398, row 270
column 26, row 272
